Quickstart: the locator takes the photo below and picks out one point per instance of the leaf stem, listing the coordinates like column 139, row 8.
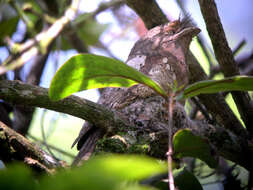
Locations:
column 170, row 145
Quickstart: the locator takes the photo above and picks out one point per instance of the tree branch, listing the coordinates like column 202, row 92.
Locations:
column 16, row 92
column 16, row 147
column 225, row 58
column 227, row 144
column 41, row 41
column 151, row 18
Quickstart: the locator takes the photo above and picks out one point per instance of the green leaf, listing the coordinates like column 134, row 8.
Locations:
column 186, row 144
column 91, row 31
column 236, row 83
column 87, row 71
column 88, row 30
column 8, row 28
column 126, row 167
column 105, row 172
column 185, row 180
column 17, row 177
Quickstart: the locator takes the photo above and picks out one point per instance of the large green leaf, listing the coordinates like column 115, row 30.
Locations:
column 185, row 180
column 126, row 167
column 109, row 172
column 186, row 144
column 87, row 71
column 236, row 83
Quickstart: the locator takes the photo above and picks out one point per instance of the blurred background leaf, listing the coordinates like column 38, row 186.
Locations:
column 17, row 176
column 186, row 144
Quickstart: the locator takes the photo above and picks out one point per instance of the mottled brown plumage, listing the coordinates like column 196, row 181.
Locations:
column 160, row 54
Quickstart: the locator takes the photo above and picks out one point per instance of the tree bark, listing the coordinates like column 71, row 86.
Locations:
column 15, row 147
column 226, row 59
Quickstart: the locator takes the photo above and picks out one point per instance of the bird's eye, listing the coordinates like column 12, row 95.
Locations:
column 172, row 27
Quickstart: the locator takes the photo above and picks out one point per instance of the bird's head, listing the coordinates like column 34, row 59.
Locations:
column 161, row 53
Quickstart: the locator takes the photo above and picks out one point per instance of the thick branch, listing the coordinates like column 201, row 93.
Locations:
column 149, row 11
column 225, row 57
column 14, row 146
column 221, row 113
column 17, row 92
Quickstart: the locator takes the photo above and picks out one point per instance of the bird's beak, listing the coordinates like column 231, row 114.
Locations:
column 190, row 31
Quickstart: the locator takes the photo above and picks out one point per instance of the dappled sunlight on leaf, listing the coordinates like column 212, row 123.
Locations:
column 127, row 167
column 106, row 172
column 87, row 71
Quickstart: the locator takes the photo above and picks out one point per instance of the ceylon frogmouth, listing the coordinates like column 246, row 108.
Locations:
column 160, row 54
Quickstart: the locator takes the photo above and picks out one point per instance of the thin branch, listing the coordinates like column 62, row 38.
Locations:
column 239, row 47
column 29, row 24
column 44, row 135
column 41, row 41
column 107, row 5
column 16, row 147
column 37, row 67
column 170, row 144
column 225, row 58
column 203, row 110
column 52, row 147
column 73, row 36
column 22, row 114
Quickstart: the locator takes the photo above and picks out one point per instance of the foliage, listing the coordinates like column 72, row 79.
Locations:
column 238, row 83
column 186, row 180
column 17, row 177
column 89, row 31
column 9, row 26
column 188, row 145
column 101, row 172
column 109, row 172
column 87, row 71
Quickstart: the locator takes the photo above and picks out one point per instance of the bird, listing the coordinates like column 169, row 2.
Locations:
column 160, row 54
